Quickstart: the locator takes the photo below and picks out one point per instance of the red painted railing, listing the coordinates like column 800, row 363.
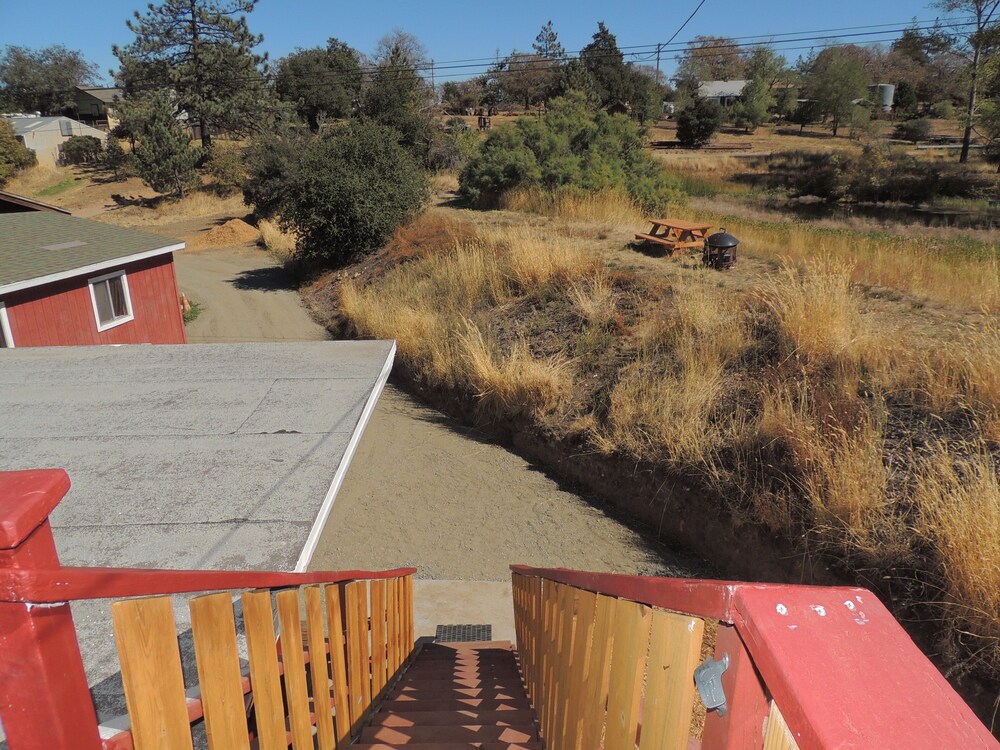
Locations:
column 834, row 660
column 45, row 702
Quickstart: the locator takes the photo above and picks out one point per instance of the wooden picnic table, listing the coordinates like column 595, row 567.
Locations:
column 675, row 234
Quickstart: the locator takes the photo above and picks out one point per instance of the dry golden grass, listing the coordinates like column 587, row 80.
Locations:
column 430, row 307
column 946, row 272
column 279, row 243
column 444, row 182
column 30, row 182
column 196, row 205
column 607, row 209
column 595, row 299
column 958, row 496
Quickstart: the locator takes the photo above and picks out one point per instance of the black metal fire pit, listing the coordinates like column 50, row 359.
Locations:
column 720, row 250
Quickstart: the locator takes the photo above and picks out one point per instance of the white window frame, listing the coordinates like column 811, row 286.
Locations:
column 5, row 326
column 128, row 301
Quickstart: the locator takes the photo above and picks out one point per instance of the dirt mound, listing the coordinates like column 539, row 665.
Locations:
column 233, row 232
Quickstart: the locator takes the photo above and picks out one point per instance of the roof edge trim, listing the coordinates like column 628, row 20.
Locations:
column 18, row 286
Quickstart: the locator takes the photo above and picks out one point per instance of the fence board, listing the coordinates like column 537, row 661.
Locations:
column 565, row 676
column 293, row 659
column 379, row 642
column 319, row 668
column 146, row 636
column 391, row 627
column 675, row 646
column 585, row 604
column 265, row 677
column 357, row 650
column 778, row 736
column 213, row 628
column 628, row 664
column 338, row 666
column 408, row 634
column 600, row 670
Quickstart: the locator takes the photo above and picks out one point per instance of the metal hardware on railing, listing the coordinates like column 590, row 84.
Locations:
column 708, row 680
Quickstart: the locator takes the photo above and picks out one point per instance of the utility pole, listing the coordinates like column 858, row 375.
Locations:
column 658, row 48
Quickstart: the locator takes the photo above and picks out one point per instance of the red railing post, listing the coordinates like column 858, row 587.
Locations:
column 742, row 726
column 45, row 702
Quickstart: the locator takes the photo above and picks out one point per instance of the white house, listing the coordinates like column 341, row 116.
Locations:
column 721, row 92
column 44, row 135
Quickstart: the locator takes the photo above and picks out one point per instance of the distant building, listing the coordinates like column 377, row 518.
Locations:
column 67, row 281
column 725, row 93
column 45, row 135
column 95, row 106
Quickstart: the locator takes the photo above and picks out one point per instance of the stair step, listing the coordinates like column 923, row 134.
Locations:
column 440, row 683
column 458, row 692
column 450, row 733
column 411, row 704
column 534, row 745
column 523, row 717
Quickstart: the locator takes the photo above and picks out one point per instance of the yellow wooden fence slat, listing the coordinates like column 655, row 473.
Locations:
column 338, row 665
column 628, row 664
column 213, row 628
column 265, row 677
column 393, row 625
column 146, row 637
column 567, row 633
column 408, row 634
column 379, row 642
column 293, row 659
column 357, row 650
column 536, row 640
column 778, row 735
column 319, row 668
column 585, row 605
column 675, row 647
column 600, row 670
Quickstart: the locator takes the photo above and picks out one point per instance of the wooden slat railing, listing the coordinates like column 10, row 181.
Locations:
column 608, row 661
column 295, row 685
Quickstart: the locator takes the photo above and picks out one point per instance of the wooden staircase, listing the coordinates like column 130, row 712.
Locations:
column 456, row 696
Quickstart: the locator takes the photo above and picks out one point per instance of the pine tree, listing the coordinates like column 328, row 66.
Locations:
column 202, row 50
column 165, row 158
column 547, row 44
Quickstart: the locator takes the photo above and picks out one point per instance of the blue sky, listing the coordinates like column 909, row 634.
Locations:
column 469, row 29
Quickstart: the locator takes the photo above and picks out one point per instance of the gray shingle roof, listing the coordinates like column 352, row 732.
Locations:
column 711, row 89
column 35, row 245
column 106, row 95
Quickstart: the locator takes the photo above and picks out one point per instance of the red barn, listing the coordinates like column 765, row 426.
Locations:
column 67, row 281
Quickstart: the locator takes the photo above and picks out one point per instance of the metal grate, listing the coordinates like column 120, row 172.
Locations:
column 463, row 633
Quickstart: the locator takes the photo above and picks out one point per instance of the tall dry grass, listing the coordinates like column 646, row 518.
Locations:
column 198, row 204
column 608, row 209
column 434, row 311
column 957, row 494
column 953, row 272
column 279, row 243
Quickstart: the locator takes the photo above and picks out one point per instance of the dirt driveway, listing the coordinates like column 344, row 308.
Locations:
column 244, row 297
column 421, row 490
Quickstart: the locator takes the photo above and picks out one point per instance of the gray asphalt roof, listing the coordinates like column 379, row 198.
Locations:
column 709, row 89
column 106, row 95
column 36, row 244
column 193, row 456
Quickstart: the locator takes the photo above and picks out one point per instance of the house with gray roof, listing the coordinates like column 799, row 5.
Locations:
column 721, row 92
column 95, row 105
column 71, row 281
column 46, row 135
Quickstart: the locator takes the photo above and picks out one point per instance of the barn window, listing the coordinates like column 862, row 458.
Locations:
column 65, row 127
column 6, row 340
column 110, row 297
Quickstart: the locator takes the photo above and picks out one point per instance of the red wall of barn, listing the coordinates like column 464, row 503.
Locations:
column 62, row 314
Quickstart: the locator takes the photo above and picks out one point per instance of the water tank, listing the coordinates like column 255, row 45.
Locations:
column 886, row 94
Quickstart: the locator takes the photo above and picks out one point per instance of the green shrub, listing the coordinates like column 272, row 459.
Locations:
column 698, row 122
column 943, row 110
column 116, row 160
column 81, row 149
column 913, row 130
column 270, row 159
column 569, row 148
column 343, row 194
column 14, row 155
column 225, row 165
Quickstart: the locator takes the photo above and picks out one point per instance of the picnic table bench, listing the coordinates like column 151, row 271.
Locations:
column 674, row 234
